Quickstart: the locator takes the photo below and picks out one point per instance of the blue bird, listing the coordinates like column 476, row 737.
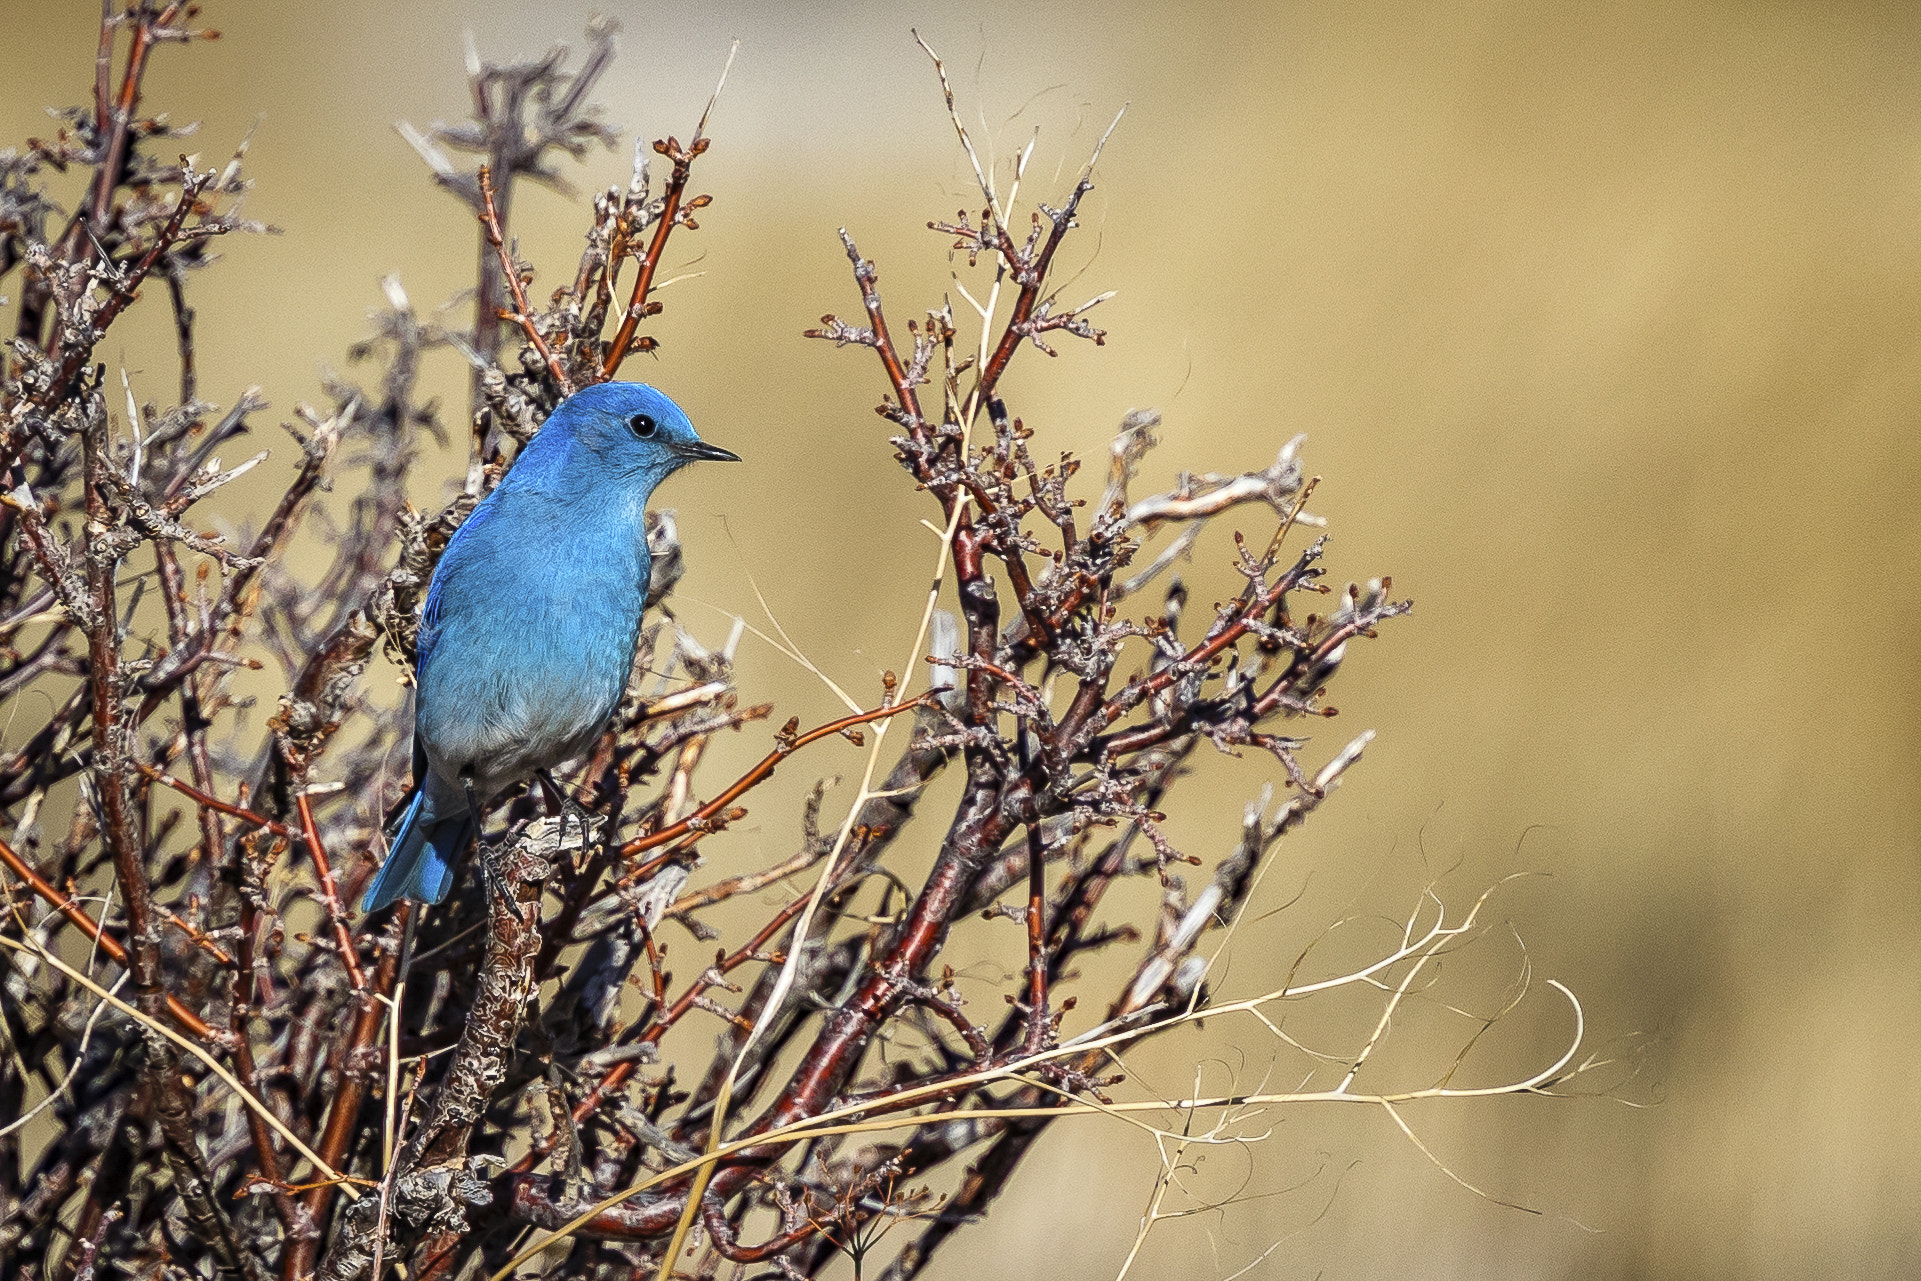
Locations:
column 531, row 620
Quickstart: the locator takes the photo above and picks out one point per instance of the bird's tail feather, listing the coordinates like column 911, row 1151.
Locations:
column 421, row 863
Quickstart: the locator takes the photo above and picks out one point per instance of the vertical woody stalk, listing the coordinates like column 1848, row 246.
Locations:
column 108, row 774
column 167, row 1097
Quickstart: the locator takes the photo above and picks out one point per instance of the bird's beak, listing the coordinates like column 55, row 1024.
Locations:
column 702, row 450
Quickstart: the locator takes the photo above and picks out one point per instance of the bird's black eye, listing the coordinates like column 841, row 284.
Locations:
column 643, row 425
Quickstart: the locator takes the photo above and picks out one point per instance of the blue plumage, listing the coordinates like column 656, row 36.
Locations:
column 531, row 620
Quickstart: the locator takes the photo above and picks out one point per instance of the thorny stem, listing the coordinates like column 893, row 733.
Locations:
column 73, row 361
column 1037, row 973
column 522, row 313
column 113, row 121
column 108, row 776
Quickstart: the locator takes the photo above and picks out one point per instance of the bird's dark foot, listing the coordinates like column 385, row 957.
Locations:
column 569, row 811
column 572, row 813
column 488, row 857
column 484, row 854
column 550, row 792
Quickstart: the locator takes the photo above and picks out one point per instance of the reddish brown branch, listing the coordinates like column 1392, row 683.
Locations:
column 240, row 1011
column 330, row 896
column 617, row 1075
column 654, row 970
column 1197, row 659
column 349, row 1095
column 116, row 125
column 522, row 314
column 65, row 905
column 1031, row 273
column 670, row 213
column 1037, row 973
column 198, row 938
column 724, row 964
column 758, row 775
column 193, row 720
column 201, row 798
column 868, row 278
column 109, row 745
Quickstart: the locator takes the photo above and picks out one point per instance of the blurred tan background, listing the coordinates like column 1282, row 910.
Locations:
column 1602, row 321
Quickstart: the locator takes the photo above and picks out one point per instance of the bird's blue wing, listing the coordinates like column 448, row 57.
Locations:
column 450, row 556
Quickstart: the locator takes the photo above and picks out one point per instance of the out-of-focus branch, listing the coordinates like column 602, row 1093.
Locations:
column 523, row 112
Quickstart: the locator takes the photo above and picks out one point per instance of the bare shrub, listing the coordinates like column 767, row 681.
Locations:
column 212, row 1067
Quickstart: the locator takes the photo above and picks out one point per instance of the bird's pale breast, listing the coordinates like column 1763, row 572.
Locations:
column 531, row 644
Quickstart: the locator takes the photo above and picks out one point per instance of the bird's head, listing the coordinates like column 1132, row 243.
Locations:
column 632, row 430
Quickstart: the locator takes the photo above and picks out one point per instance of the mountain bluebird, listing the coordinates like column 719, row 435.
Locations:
column 531, row 620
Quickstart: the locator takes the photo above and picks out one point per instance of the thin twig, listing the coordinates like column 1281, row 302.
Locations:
column 522, row 314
